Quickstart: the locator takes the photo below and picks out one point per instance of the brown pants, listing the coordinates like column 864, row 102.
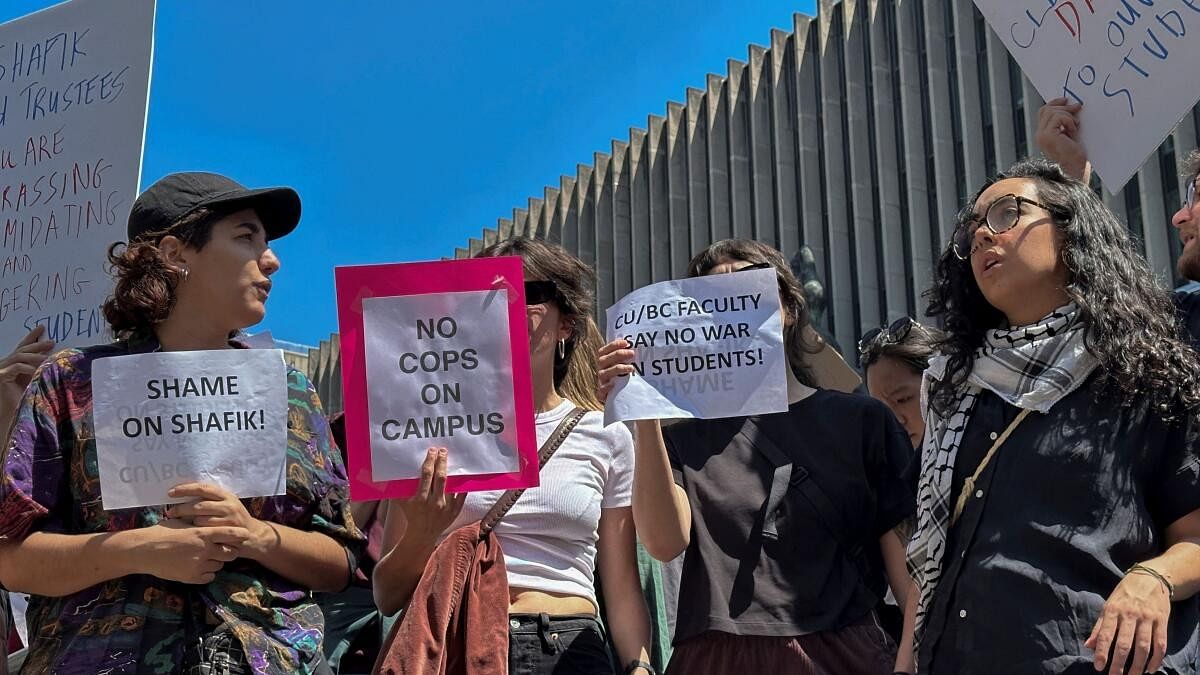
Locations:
column 860, row 649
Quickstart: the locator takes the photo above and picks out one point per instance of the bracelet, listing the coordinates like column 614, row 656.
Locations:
column 1140, row 568
column 635, row 664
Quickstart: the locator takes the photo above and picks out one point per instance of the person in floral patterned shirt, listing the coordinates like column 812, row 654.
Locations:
column 219, row 580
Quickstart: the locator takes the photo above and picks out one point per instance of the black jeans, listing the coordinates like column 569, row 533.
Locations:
column 572, row 644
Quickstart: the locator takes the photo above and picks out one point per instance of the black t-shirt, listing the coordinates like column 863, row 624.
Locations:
column 824, row 571
column 1070, row 501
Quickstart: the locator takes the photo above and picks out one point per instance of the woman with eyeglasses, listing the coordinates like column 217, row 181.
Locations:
column 577, row 522
column 1058, row 138
column 892, row 360
column 1058, row 528
column 787, row 519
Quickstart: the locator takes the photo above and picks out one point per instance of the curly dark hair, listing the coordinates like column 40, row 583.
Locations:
column 144, row 293
column 799, row 338
column 1130, row 322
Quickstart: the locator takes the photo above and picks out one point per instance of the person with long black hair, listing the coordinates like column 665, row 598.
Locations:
column 1058, row 528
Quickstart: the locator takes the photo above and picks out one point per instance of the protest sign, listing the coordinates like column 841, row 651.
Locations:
column 436, row 355
column 167, row 418
column 74, row 80
column 706, row 347
column 1131, row 63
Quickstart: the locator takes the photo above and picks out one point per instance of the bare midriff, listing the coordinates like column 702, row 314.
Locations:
column 525, row 601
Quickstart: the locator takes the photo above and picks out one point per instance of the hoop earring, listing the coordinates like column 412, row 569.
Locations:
column 184, row 271
column 562, row 349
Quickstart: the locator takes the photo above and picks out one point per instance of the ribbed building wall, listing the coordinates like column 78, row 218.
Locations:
column 859, row 133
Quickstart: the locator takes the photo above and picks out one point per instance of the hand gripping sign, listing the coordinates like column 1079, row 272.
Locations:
column 706, row 347
column 436, row 354
column 167, row 418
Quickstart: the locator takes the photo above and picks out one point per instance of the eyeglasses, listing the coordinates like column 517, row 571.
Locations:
column 1190, row 199
column 540, row 292
column 881, row 337
column 1001, row 216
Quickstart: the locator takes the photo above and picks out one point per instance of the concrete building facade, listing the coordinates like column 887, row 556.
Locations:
column 859, row 133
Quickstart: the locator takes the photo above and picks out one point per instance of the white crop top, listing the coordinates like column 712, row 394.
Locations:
column 549, row 536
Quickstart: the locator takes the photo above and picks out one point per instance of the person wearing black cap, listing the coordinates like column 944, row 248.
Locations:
column 213, row 585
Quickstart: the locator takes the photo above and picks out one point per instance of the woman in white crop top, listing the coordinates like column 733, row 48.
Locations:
column 576, row 523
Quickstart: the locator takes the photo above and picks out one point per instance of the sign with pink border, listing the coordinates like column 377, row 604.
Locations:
column 436, row 354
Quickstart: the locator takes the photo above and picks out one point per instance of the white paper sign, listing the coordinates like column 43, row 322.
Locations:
column 706, row 347
column 439, row 374
column 74, row 80
column 167, row 418
column 1132, row 63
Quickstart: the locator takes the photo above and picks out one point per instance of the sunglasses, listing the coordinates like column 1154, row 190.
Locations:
column 1002, row 215
column 881, row 337
column 756, row 266
column 540, row 292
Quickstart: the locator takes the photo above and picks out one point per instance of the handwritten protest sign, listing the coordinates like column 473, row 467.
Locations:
column 167, row 418
column 706, row 347
column 74, row 80
column 1131, row 63
column 436, row 355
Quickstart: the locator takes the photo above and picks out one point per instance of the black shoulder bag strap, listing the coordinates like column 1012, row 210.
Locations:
column 510, row 497
column 788, row 473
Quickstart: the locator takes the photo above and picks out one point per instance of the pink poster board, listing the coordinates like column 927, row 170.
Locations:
column 358, row 283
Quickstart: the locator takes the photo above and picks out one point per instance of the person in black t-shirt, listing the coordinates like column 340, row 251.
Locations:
column 788, row 519
column 1058, row 527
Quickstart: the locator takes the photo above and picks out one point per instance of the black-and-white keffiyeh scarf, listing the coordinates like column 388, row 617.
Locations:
column 1031, row 367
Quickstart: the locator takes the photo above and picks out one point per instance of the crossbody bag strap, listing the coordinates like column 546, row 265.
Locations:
column 510, row 497
column 969, row 484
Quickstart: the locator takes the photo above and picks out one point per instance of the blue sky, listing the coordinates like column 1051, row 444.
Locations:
column 407, row 127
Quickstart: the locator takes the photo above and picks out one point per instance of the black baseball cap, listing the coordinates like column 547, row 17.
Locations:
column 176, row 195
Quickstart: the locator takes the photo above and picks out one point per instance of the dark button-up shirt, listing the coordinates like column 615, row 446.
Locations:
column 1070, row 501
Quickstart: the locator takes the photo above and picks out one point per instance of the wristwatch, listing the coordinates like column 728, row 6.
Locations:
column 635, row 664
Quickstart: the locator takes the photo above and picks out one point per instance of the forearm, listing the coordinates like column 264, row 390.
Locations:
column 629, row 622
column 56, row 565
column 906, row 657
column 1180, row 564
column 660, row 508
column 625, row 604
column 398, row 572
column 313, row 560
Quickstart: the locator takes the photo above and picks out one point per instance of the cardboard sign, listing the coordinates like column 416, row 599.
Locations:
column 74, row 81
column 436, row 355
column 167, row 418
column 1131, row 63
column 706, row 347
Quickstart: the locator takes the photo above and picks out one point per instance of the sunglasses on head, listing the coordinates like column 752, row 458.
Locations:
column 540, row 292
column 880, row 337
